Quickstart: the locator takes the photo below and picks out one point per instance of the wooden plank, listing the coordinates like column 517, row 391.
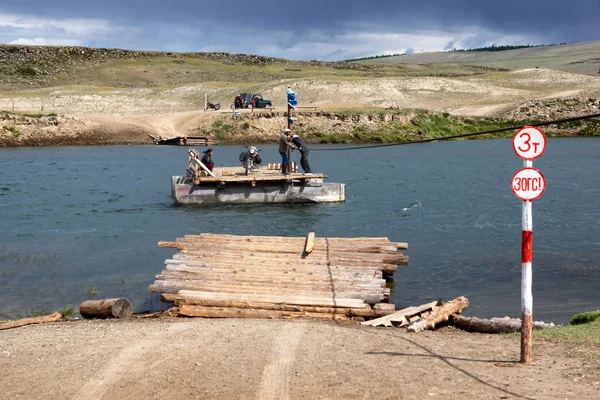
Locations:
column 366, row 311
column 296, row 246
column 307, row 279
column 370, row 297
column 223, row 312
column 276, row 267
column 325, row 287
column 310, row 243
column 282, row 259
column 273, row 271
column 322, row 301
column 174, row 276
column 400, row 317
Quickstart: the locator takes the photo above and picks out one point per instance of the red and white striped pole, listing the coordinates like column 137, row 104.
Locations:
column 526, row 278
column 528, row 184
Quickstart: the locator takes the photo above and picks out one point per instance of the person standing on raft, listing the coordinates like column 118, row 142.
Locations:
column 303, row 149
column 284, row 144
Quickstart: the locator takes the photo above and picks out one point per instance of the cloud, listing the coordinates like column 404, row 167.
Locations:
column 311, row 29
column 46, row 42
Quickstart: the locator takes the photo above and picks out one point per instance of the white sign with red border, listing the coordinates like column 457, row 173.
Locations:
column 529, row 143
column 528, row 184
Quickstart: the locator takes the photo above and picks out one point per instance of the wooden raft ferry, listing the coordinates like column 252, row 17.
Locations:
column 226, row 276
column 230, row 185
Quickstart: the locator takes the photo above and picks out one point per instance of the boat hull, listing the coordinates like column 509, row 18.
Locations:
column 284, row 192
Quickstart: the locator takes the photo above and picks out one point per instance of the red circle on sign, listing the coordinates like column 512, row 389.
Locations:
column 521, row 131
column 527, row 169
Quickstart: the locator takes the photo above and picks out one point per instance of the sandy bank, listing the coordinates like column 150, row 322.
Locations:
column 274, row 359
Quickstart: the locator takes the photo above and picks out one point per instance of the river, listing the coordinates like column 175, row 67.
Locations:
column 80, row 219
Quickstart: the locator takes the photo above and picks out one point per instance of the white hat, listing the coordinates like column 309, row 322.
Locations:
column 287, row 130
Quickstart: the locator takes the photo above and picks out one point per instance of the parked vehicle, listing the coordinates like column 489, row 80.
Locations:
column 250, row 159
column 246, row 100
column 213, row 106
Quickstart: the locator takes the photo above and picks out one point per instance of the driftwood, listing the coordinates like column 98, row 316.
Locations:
column 439, row 314
column 402, row 317
column 494, row 325
column 107, row 308
column 30, row 321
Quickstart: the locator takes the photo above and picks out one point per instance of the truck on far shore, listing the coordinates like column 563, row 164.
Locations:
column 244, row 100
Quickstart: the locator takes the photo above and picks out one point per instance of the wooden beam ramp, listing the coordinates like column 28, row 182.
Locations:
column 227, row 276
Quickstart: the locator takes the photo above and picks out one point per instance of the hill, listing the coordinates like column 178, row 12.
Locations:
column 581, row 58
column 94, row 96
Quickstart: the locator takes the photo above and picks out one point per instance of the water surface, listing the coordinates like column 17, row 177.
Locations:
column 78, row 218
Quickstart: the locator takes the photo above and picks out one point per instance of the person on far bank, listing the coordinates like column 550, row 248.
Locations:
column 284, row 144
column 303, row 149
column 207, row 159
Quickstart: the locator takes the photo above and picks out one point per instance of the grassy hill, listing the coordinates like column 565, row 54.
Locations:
column 579, row 58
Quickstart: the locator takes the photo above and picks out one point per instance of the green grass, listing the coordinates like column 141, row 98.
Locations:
column 68, row 311
column 581, row 340
column 22, row 114
column 585, row 318
column 39, row 312
column 424, row 125
column 91, row 291
column 12, row 129
column 221, row 129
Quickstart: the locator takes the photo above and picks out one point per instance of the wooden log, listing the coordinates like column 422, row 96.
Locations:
column 274, row 271
column 440, row 314
column 285, row 248
column 400, row 317
column 367, row 293
column 370, row 297
column 349, row 281
column 365, row 312
column 494, row 325
column 251, row 263
column 106, row 308
column 336, row 258
column 30, row 321
column 280, row 248
column 284, row 299
column 332, row 281
column 226, row 312
column 310, row 243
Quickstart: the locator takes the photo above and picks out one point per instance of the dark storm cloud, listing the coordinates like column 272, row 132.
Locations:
column 286, row 25
column 574, row 20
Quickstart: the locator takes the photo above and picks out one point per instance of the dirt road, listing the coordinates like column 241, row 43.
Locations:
column 274, row 359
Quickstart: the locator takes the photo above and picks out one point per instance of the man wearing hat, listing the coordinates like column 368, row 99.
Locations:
column 284, row 144
column 207, row 159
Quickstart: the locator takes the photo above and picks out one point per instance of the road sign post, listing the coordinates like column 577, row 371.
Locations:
column 527, row 184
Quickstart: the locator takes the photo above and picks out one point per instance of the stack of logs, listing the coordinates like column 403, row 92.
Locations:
column 279, row 277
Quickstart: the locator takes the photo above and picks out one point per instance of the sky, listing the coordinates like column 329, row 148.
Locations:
column 301, row 30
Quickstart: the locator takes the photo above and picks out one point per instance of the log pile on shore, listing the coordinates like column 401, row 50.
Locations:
column 226, row 276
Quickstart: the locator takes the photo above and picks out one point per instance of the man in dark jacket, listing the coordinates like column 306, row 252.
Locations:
column 301, row 146
column 207, row 159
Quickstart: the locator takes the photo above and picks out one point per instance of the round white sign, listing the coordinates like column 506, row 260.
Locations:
column 528, row 184
column 529, row 143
